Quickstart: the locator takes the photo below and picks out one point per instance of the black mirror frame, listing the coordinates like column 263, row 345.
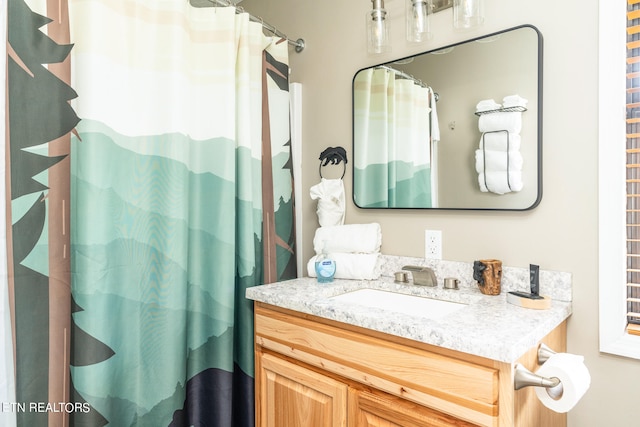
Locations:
column 539, row 125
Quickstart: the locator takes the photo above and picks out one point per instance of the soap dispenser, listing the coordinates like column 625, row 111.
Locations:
column 325, row 266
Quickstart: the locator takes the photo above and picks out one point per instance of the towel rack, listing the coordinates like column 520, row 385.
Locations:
column 484, row 158
column 516, row 109
column 333, row 155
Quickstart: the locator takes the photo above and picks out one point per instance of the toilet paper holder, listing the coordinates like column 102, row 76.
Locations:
column 525, row 378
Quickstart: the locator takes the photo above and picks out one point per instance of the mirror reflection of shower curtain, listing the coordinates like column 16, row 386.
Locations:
column 391, row 131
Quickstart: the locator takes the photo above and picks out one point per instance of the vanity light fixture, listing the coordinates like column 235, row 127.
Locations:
column 418, row 13
column 377, row 28
column 467, row 14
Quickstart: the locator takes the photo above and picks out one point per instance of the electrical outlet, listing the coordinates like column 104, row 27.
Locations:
column 433, row 244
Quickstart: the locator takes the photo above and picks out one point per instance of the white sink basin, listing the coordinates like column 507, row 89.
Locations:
column 401, row 303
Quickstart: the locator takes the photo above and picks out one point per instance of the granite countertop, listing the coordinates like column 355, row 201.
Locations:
column 488, row 326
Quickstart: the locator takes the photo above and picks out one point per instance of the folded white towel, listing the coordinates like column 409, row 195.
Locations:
column 349, row 238
column 496, row 161
column 511, row 122
column 352, row 266
column 498, row 141
column 514, row 101
column 497, row 182
column 487, row 105
column 331, row 201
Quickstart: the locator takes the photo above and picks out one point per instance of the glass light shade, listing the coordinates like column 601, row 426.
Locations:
column 418, row 14
column 377, row 31
column 467, row 14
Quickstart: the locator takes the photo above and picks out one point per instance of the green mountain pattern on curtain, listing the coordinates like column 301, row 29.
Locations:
column 155, row 250
column 395, row 184
column 133, row 275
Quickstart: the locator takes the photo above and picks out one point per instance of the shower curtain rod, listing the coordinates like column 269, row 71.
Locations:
column 298, row 44
column 404, row 75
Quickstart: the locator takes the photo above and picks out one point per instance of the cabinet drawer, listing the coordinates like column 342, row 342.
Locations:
column 375, row 409
column 452, row 385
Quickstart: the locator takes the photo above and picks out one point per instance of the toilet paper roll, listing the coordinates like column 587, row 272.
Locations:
column 574, row 376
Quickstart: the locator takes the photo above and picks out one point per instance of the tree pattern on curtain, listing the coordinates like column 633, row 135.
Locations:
column 40, row 121
column 279, row 223
column 167, row 228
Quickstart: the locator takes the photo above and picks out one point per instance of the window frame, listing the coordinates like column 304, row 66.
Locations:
column 611, row 180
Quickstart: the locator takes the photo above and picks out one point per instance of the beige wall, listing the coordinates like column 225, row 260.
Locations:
column 560, row 234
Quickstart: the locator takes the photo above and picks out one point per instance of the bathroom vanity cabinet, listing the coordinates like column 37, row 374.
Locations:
column 316, row 372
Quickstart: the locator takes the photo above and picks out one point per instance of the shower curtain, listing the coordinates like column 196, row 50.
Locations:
column 150, row 184
column 391, row 131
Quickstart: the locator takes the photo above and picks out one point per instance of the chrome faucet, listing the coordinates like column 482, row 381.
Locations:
column 423, row 276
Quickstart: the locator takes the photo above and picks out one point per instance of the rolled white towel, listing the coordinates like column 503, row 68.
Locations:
column 349, row 238
column 496, row 161
column 497, row 182
column 487, row 105
column 352, row 266
column 499, row 141
column 510, row 121
column 514, row 101
column 331, row 201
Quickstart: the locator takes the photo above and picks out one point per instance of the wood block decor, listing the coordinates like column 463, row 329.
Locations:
column 488, row 274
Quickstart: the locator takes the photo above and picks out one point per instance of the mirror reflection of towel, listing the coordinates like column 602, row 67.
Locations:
column 331, row 201
column 500, row 141
column 511, row 122
column 497, row 161
column 500, row 182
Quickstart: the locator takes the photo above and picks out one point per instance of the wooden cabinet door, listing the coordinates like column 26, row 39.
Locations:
column 377, row 409
column 293, row 396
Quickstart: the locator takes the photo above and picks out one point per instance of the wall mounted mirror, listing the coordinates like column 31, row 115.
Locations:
column 411, row 151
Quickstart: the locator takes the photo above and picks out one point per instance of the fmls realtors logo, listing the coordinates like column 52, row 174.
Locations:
column 67, row 407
